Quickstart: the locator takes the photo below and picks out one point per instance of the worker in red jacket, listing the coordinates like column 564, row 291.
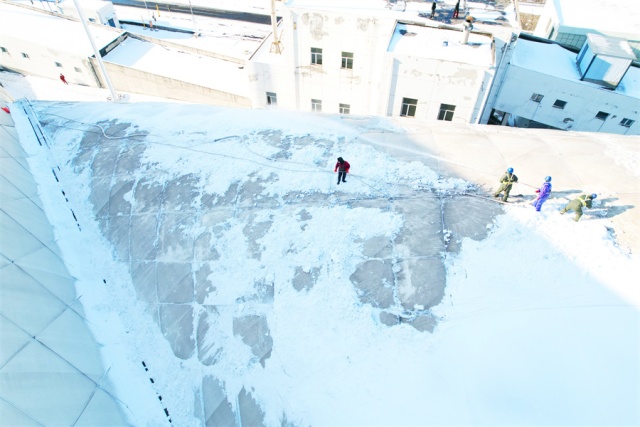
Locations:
column 342, row 167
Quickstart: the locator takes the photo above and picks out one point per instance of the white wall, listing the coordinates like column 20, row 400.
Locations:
column 584, row 101
column 42, row 62
column 334, row 33
column 127, row 79
column 433, row 82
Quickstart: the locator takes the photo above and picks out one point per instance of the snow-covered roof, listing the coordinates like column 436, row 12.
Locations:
column 439, row 43
column 611, row 46
column 197, row 69
column 87, row 5
column 43, row 29
column 616, row 17
column 554, row 60
column 496, row 15
column 340, row 5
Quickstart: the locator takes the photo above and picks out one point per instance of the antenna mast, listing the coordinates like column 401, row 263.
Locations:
column 96, row 51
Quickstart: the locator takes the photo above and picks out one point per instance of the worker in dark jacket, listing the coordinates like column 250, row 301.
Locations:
column 506, row 183
column 433, row 9
column 342, row 167
column 576, row 205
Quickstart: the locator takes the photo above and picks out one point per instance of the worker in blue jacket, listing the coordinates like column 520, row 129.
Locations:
column 543, row 194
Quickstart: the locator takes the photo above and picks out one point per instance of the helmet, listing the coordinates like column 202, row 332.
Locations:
column 594, row 195
column 548, row 179
column 510, row 170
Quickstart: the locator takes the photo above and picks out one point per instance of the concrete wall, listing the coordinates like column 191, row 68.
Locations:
column 584, row 101
column 42, row 61
column 135, row 81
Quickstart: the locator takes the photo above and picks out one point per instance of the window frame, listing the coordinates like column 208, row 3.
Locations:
column 316, row 105
column 58, row 64
column 406, row 110
column 316, row 56
column 536, row 97
column 560, row 104
column 602, row 115
column 272, row 98
column 344, row 108
column 25, row 55
column 4, row 49
column 446, row 112
column 627, row 122
column 347, row 61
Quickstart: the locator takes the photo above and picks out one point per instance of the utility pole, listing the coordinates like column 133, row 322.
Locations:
column 96, row 51
column 194, row 19
column 276, row 46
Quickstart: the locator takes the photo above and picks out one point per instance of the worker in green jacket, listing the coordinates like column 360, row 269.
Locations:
column 576, row 205
column 506, row 183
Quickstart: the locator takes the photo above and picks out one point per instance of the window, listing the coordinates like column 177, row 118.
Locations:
column 345, row 108
column 602, row 115
column 575, row 40
column 316, row 56
column 409, row 106
column 316, row 105
column 59, row 65
column 78, row 70
column 3, row 49
column 559, row 104
column 446, row 112
column 24, row 55
column 272, row 99
column 347, row 60
column 536, row 97
column 626, row 122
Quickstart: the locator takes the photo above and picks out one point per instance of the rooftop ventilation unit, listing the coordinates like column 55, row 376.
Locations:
column 604, row 60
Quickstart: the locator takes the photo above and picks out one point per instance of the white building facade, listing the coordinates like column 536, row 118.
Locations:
column 350, row 62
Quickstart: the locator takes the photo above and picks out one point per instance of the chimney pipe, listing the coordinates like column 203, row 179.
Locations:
column 468, row 26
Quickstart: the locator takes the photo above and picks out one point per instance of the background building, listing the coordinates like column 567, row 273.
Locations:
column 543, row 87
column 98, row 11
column 59, row 46
column 569, row 21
